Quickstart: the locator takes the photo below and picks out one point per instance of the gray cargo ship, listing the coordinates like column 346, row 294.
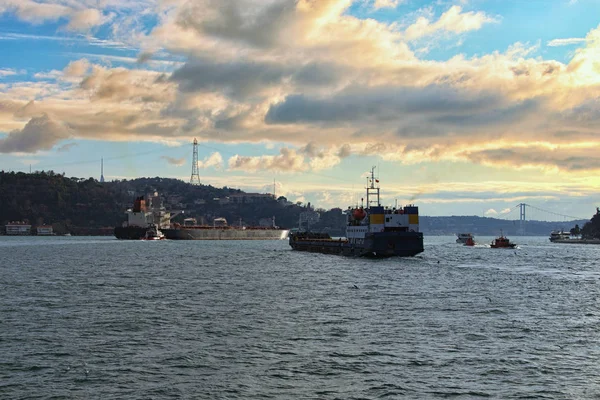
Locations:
column 371, row 231
column 149, row 213
column 220, row 230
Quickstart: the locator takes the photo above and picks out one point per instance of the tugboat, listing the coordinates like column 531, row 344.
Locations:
column 153, row 233
column 502, row 242
column 371, row 231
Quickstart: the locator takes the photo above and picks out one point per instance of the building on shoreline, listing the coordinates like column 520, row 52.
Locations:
column 18, row 229
column 45, row 230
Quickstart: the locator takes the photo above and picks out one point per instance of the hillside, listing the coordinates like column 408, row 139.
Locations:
column 84, row 206
column 50, row 198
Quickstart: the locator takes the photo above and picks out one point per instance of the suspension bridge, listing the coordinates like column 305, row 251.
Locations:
column 528, row 213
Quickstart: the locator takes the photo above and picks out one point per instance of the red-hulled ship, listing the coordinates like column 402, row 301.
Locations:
column 502, row 242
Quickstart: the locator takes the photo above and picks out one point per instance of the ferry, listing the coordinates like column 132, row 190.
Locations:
column 464, row 237
column 556, row 236
column 371, row 230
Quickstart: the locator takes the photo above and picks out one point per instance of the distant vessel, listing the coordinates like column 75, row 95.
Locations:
column 371, row 231
column 502, row 242
column 469, row 242
column 153, row 233
column 220, row 230
column 559, row 235
column 463, row 237
column 148, row 213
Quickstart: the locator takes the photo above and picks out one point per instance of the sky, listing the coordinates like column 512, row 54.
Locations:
column 466, row 107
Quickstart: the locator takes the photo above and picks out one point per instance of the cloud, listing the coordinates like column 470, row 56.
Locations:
column 7, row 72
column 287, row 161
column 178, row 162
column 77, row 68
column 40, row 133
column 34, row 12
column 215, row 160
column 491, row 211
column 566, row 42
column 87, row 19
column 453, row 20
column 298, row 72
column 386, row 4
column 66, row 147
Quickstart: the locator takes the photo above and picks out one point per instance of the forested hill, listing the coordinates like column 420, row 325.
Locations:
column 50, row 198
column 77, row 205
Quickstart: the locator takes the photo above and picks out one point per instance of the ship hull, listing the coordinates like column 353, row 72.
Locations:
column 130, row 232
column 224, row 234
column 375, row 245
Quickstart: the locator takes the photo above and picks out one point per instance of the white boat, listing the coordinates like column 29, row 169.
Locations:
column 559, row 235
column 153, row 233
column 464, row 238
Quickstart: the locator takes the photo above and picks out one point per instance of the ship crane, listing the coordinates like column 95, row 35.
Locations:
column 176, row 213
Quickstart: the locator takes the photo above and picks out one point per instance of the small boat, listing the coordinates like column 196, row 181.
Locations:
column 153, row 233
column 469, row 242
column 463, row 237
column 502, row 242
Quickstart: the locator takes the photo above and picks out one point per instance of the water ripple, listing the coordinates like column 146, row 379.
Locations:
column 101, row 318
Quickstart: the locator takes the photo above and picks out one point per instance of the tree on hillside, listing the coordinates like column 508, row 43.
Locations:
column 576, row 231
column 591, row 229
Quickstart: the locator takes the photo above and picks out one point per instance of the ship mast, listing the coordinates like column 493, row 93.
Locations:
column 372, row 190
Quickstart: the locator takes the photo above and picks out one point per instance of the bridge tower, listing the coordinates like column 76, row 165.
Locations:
column 101, row 170
column 195, row 179
column 522, row 218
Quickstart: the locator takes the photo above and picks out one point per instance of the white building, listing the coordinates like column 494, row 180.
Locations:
column 18, row 228
column 45, row 230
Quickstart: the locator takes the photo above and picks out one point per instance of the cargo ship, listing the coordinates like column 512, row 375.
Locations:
column 371, row 231
column 149, row 213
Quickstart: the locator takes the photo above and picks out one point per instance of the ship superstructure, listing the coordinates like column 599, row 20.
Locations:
column 147, row 213
column 371, row 230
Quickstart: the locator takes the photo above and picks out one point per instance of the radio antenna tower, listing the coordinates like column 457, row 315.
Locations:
column 102, row 170
column 195, row 179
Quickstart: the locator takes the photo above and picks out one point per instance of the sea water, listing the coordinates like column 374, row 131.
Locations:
column 102, row 318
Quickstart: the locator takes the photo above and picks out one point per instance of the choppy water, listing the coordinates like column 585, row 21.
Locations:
column 101, row 318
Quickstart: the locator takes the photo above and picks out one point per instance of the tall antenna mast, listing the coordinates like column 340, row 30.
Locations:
column 195, row 179
column 102, row 170
column 372, row 189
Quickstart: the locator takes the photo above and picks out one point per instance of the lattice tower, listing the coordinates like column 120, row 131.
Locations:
column 195, row 179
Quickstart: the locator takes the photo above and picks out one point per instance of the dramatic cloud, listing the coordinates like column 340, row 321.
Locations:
column 178, row 162
column 40, row 133
column 293, row 72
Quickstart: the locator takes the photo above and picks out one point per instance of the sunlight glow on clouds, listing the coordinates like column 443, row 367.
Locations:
column 322, row 81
